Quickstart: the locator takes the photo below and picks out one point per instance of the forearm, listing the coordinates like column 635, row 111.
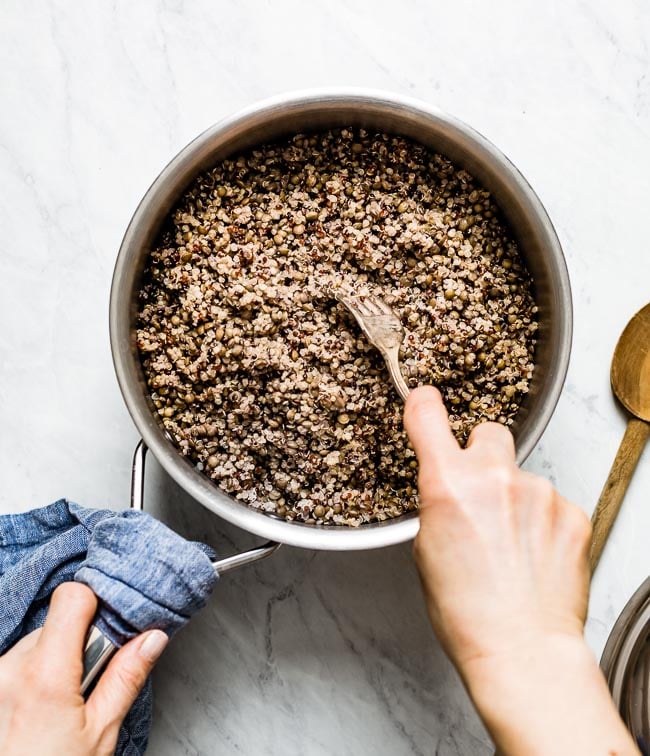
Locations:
column 551, row 700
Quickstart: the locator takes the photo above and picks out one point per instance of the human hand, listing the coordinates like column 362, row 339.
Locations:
column 41, row 707
column 503, row 557
column 503, row 562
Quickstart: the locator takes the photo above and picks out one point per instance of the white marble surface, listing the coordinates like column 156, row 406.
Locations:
column 311, row 653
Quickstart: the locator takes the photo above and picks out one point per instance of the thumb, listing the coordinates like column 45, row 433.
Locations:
column 124, row 678
column 427, row 424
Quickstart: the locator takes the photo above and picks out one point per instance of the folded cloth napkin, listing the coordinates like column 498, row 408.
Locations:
column 145, row 576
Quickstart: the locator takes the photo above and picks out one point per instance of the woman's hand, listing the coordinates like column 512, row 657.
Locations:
column 41, row 708
column 503, row 562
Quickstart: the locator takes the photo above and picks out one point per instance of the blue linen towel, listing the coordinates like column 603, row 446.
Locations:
column 145, row 576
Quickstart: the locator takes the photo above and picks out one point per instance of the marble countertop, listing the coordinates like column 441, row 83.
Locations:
column 309, row 653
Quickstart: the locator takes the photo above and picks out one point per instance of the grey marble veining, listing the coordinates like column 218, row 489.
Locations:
column 307, row 653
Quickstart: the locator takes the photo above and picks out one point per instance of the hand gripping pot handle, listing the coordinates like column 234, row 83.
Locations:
column 99, row 649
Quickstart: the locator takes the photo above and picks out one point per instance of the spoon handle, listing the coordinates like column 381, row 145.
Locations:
column 627, row 456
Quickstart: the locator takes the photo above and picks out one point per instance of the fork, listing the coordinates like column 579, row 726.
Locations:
column 383, row 330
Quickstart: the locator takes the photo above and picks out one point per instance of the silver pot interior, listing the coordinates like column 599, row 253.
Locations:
column 274, row 119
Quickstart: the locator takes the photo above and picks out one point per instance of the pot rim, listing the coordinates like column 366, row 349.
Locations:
column 196, row 484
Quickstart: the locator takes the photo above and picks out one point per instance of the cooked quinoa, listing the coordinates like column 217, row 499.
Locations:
column 265, row 381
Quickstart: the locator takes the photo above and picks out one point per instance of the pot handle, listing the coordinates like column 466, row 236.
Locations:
column 99, row 649
column 220, row 565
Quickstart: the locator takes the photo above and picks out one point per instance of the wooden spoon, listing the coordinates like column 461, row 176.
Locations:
column 630, row 378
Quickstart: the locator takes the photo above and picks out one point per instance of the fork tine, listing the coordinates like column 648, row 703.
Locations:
column 348, row 302
column 364, row 305
column 385, row 308
column 361, row 305
column 352, row 307
column 374, row 305
column 342, row 297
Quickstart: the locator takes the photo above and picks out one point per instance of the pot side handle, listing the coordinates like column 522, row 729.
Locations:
column 220, row 565
column 99, row 649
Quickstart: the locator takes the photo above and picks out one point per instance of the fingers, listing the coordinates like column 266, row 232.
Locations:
column 61, row 641
column 124, row 678
column 427, row 424
column 492, row 440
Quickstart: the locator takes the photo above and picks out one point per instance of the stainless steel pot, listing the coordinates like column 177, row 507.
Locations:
column 314, row 111
column 626, row 665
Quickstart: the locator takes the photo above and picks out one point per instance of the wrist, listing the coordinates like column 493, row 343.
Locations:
column 525, row 660
column 547, row 696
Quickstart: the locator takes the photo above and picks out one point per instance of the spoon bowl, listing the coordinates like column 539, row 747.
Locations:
column 631, row 366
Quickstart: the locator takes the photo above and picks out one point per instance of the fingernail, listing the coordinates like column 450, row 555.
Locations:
column 153, row 645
